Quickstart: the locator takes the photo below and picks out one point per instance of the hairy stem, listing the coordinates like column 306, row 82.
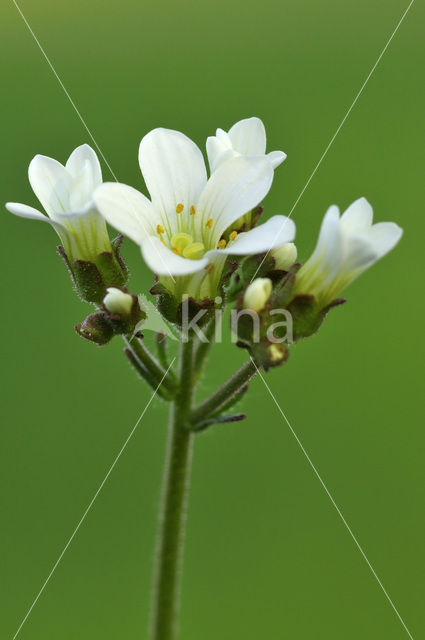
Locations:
column 221, row 398
column 175, row 489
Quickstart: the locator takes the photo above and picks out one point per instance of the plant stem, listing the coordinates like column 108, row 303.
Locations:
column 150, row 363
column 172, row 520
column 228, row 390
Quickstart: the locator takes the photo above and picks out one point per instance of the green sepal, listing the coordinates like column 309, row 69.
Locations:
column 269, row 354
column 172, row 309
column 307, row 315
column 167, row 303
column 96, row 328
column 90, row 279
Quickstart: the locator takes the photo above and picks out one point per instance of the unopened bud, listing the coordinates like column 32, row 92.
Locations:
column 118, row 302
column 284, row 256
column 257, row 294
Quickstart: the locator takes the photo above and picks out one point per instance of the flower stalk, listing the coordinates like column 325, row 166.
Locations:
column 172, row 518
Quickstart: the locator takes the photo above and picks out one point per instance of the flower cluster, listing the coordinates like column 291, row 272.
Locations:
column 198, row 233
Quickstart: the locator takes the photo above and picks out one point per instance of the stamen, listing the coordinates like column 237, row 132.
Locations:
column 233, row 235
column 176, row 250
column 209, row 223
column 221, row 244
column 159, row 229
column 179, row 208
column 192, row 210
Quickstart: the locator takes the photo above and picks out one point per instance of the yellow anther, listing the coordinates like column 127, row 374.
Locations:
column 194, row 251
column 159, row 229
column 192, row 210
column 233, row 235
column 179, row 208
column 209, row 223
column 221, row 244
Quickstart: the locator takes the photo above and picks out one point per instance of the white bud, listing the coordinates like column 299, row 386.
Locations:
column 116, row 301
column 257, row 294
column 284, row 256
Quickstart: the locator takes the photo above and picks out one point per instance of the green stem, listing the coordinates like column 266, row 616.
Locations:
column 149, row 362
column 166, row 595
column 203, row 348
column 221, row 398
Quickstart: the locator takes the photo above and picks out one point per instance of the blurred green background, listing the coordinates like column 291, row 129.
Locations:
column 267, row 555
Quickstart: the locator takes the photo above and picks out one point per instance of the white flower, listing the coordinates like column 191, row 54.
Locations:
column 65, row 193
column 116, row 301
column 347, row 246
column 284, row 256
column 257, row 293
column 247, row 138
column 179, row 230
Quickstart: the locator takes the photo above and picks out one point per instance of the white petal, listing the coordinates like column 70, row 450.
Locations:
column 164, row 262
column 126, row 209
column 273, row 233
column 79, row 158
column 330, row 247
column 385, row 236
column 235, row 188
column 51, row 183
column 24, row 211
column 249, row 137
column 359, row 253
column 358, row 216
column 276, row 158
column 174, row 171
column 218, row 150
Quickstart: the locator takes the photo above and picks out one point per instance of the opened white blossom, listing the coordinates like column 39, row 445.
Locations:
column 65, row 193
column 117, row 301
column 247, row 138
column 257, row 293
column 347, row 246
column 180, row 229
column 284, row 256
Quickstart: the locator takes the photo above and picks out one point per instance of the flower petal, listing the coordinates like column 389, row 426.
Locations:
column 51, row 183
column 126, row 209
column 164, row 262
column 235, row 188
column 219, row 148
column 358, row 216
column 24, row 211
column 78, row 159
column 83, row 165
column 174, row 171
column 276, row 158
column 249, row 137
column 273, row 233
column 385, row 236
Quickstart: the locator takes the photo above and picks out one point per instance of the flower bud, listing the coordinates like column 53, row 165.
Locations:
column 118, row 302
column 257, row 294
column 284, row 256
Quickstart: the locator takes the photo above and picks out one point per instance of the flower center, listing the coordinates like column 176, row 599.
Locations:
column 186, row 242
